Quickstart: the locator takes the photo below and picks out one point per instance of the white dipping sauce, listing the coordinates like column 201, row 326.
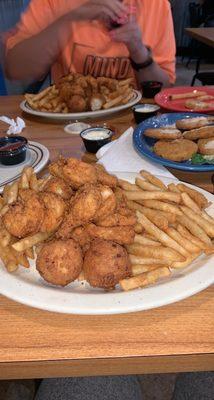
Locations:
column 96, row 134
column 146, row 108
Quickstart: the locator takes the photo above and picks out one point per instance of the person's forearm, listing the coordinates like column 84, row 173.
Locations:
column 32, row 58
column 152, row 72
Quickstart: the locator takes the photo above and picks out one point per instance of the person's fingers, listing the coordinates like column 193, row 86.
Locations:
column 117, row 7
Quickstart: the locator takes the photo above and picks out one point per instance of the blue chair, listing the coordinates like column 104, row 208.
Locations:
column 3, row 91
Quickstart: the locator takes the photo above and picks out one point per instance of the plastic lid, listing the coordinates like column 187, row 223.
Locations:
column 76, row 128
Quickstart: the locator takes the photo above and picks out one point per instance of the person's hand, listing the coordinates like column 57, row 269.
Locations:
column 99, row 9
column 131, row 35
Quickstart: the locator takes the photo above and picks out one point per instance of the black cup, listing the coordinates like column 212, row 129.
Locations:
column 13, row 150
column 151, row 88
column 143, row 111
column 92, row 145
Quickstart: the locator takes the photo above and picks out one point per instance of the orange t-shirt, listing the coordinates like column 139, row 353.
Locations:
column 90, row 49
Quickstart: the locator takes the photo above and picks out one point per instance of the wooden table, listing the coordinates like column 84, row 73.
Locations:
column 35, row 343
column 204, row 35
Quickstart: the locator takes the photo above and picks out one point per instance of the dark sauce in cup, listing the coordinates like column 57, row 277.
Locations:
column 13, row 150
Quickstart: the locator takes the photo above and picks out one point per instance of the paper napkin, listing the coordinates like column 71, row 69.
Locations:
column 15, row 126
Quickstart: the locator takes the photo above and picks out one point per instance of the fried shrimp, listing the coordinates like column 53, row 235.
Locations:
column 59, row 187
column 25, row 216
column 104, row 178
column 108, row 204
column 77, row 173
column 121, row 235
column 60, row 262
column 105, row 264
column 54, row 211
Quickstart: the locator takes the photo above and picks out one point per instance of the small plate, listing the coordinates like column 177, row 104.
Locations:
column 145, row 144
column 78, row 116
column 37, row 157
column 162, row 98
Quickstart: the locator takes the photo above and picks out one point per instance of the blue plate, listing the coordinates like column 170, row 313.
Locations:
column 144, row 144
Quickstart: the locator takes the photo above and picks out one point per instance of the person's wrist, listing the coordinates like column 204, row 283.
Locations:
column 138, row 53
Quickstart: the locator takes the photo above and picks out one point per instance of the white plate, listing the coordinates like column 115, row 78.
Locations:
column 37, row 157
column 27, row 287
column 78, row 116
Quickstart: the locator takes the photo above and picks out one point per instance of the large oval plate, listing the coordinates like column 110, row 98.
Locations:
column 145, row 144
column 84, row 115
column 27, row 287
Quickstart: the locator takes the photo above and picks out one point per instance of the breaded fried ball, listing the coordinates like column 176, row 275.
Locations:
column 60, row 262
column 176, row 150
column 77, row 103
column 105, row 264
column 59, row 187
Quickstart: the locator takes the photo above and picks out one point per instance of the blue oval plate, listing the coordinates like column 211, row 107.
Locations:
column 144, row 144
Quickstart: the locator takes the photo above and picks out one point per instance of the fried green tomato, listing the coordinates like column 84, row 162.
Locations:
column 60, row 262
column 105, row 264
column 176, row 150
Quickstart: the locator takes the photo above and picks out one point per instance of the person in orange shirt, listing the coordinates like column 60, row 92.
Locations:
column 79, row 36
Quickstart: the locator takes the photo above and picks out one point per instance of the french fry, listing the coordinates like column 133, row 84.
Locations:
column 186, row 199
column 207, row 217
column 161, row 252
column 199, row 198
column 125, row 82
column 188, row 261
column 145, row 241
column 194, row 93
column 5, row 237
column 146, row 185
column 194, row 228
column 4, row 210
column 30, row 253
column 160, row 205
column 185, row 233
column 8, row 258
column 140, row 269
column 33, row 183
column 21, row 258
column 1, row 202
column 42, row 94
column 128, row 97
column 113, row 103
column 6, row 193
column 147, row 261
column 182, row 240
column 145, row 279
column 153, row 179
column 81, row 276
column 127, row 186
column 157, row 195
column 138, row 228
column 30, row 241
column 153, row 215
column 173, row 188
column 202, row 222
column 11, row 266
column 12, row 194
column 25, row 178
column 160, row 235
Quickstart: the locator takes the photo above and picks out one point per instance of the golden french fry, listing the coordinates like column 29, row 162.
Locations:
column 11, row 266
column 161, row 252
column 145, row 241
column 5, row 193
column 8, row 258
column 145, row 279
column 207, row 217
column 153, row 215
column 113, row 103
column 42, row 182
column 1, row 202
column 4, row 210
column 5, row 237
column 146, row 185
column 30, row 253
column 199, row 198
column 128, row 97
column 21, row 258
column 160, row 235
column 138, row 228
column 194, row 228
column 81, row 276
column 202, row 222
column 158, row 195
column 125, row 82
column 185, row 233
column 140, row 269
column 25, row 178
column 153, row 179
column 33, row 183
column 30, row 241
column 187, row 201
column 188, row 261
column 182, row 240
column 127, row 185
column 42, row 94
column 160, row 205
column 12, row 194
column 147, row 261
column 173, row 188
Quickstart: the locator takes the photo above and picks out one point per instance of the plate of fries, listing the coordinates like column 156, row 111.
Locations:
column 78, row 97
column 171, row 254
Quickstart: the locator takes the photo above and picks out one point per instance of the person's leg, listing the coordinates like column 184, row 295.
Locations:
column 194, row 386
column 93, row 388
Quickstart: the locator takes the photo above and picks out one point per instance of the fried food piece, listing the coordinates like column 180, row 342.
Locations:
column 96, row 102
column 60, row 262
column 59, row 187
column 117, row 220
column 192, row 123
column 54, row 211
column 86, row 204
column 105, row 263
column 163, row 133
column 65, row 91
column 56, row 168
column 201, row 133
column 78, row 173
column 120, row 235
column 178, row 150
column 108, row 204
column 77, row 103
column 24, row 217
column 81, row 236
column 67, row 226
column 104, row 178
column 206, row 146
